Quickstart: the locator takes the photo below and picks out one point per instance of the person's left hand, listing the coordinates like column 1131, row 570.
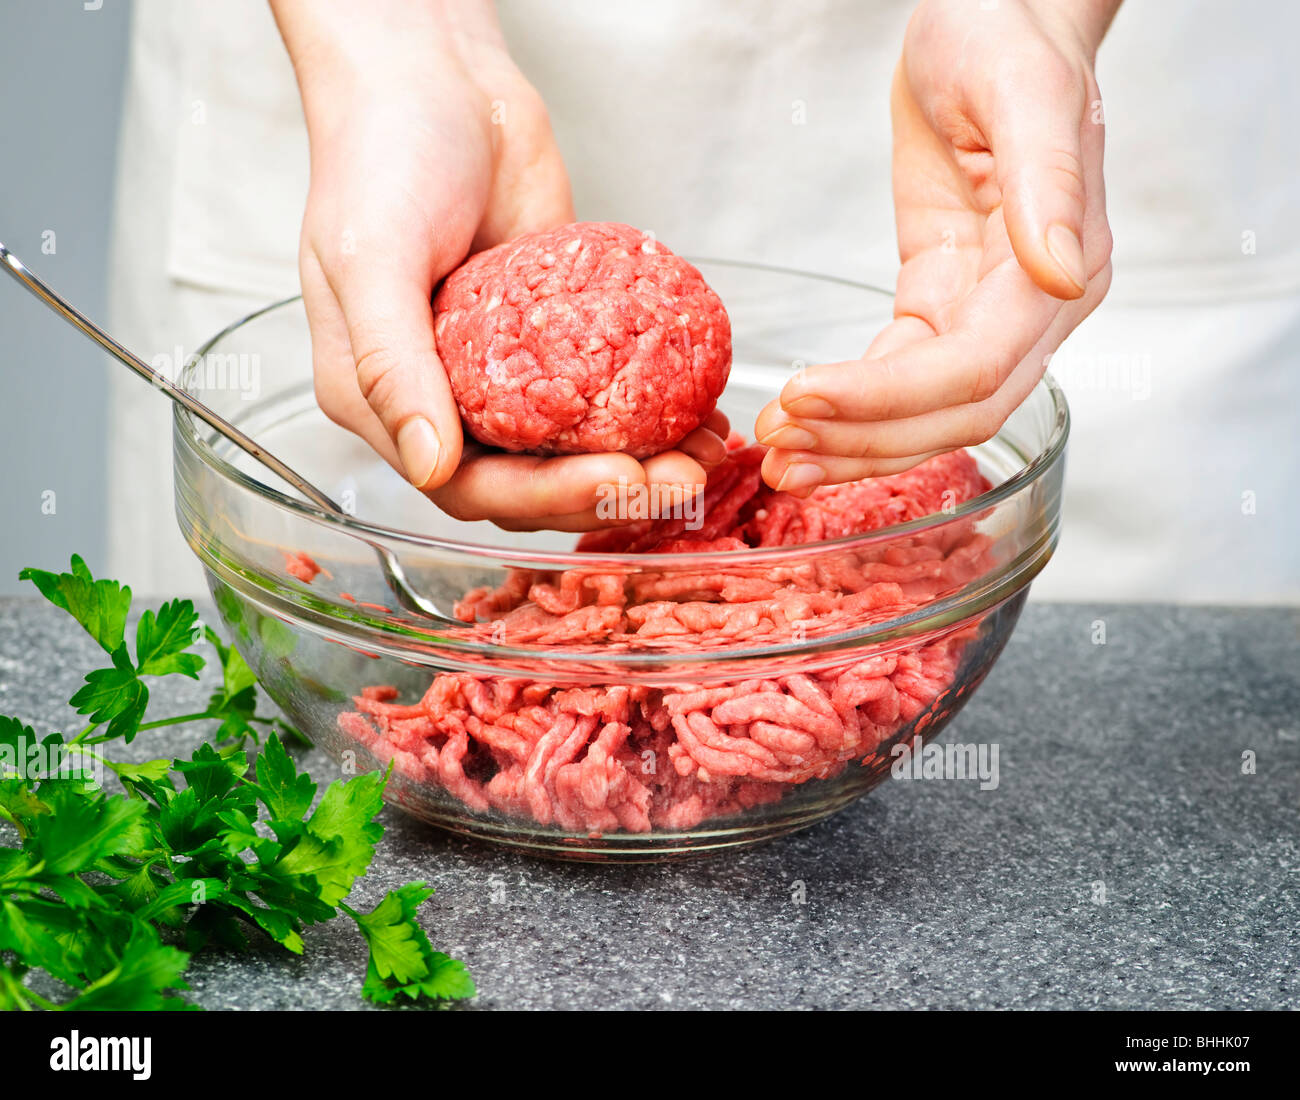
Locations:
column 1002, row 234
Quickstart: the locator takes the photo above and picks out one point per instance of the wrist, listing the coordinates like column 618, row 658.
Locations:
column 1085, row 20
column 341, row 50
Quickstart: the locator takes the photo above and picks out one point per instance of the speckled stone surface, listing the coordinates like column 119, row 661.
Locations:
column 1124, row 861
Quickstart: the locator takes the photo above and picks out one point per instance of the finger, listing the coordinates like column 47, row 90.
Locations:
column 674, row 468
column 706, row 446
column 538, row 490
column 718, row 423
column 889, row 440
column 667, row 495
column 801, row 472
column 389, row 321
column 333, row 372
column 494, row 485
column 945, row 429
column 1035, row 138
column 967, row 364
column 586, row 520
column 899, row 333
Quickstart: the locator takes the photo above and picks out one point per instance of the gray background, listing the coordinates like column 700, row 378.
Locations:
column 61, row 84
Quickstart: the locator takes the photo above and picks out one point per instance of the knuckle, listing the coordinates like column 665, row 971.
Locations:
column 330, row 401
column 983, row 425
column 1101, row 243
column 1042, row 70
column 985, row 381
column 862, row 446
column 881, row 391
column 377, row 376
column 1100, row 283
column 1064, row 167
column 859, row 470
column 329, row 242
column 540, row 490
column 455, row 505
column 1040, row 74
column 1061, row 81
column 532, row 106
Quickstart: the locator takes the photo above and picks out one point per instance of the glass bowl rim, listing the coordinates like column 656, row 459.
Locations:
column 355, row 527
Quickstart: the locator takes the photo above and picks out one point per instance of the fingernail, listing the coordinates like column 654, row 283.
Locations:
column 1065, row 248
column 419, row 450
column 800, row 477
column 790, row 437
column 709, row 449
column 809, row 405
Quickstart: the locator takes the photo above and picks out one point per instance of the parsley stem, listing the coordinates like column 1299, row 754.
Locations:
column 158, row 723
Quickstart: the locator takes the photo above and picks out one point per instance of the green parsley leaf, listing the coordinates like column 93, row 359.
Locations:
column 79, row 830
column 19, row 745
column 285, row 792
column 99, row 606
column 114, row 695
column 161, row 641
column 147, row 771
column 140, row 979
column 210, row 774
column 402, row 962
column 339, row 841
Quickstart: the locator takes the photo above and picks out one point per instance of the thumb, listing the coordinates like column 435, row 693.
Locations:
column 1040, row 172
column 390, row 326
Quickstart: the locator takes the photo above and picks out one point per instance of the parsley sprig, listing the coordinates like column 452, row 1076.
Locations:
column 108, row 895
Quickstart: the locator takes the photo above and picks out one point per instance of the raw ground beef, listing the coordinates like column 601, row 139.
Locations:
column 609, row 756
column 590, row 337
column 300, row 565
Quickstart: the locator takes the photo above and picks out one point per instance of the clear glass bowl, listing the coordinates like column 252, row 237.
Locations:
column 506, row 737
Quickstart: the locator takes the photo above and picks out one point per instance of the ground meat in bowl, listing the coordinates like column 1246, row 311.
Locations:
column 591, row 337
column 606, row 757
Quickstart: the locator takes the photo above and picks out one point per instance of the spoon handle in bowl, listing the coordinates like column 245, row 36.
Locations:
column 15, row 267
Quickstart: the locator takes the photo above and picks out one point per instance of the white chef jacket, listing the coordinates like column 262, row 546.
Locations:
column 761, row 131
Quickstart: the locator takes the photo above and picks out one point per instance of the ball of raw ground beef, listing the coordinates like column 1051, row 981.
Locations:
column 590, row 337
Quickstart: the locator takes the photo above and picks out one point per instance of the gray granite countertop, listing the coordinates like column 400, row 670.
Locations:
column 1126, row 859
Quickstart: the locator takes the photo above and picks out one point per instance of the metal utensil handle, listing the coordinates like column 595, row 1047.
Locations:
column 20, row 271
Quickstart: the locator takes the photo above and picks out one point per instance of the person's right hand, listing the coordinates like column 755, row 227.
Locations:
column 427, row 144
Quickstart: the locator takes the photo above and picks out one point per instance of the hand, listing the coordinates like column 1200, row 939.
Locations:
column 1002, row 234
column 427, row 143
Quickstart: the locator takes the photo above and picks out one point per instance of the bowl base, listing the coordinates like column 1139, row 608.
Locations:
column 651, row 847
